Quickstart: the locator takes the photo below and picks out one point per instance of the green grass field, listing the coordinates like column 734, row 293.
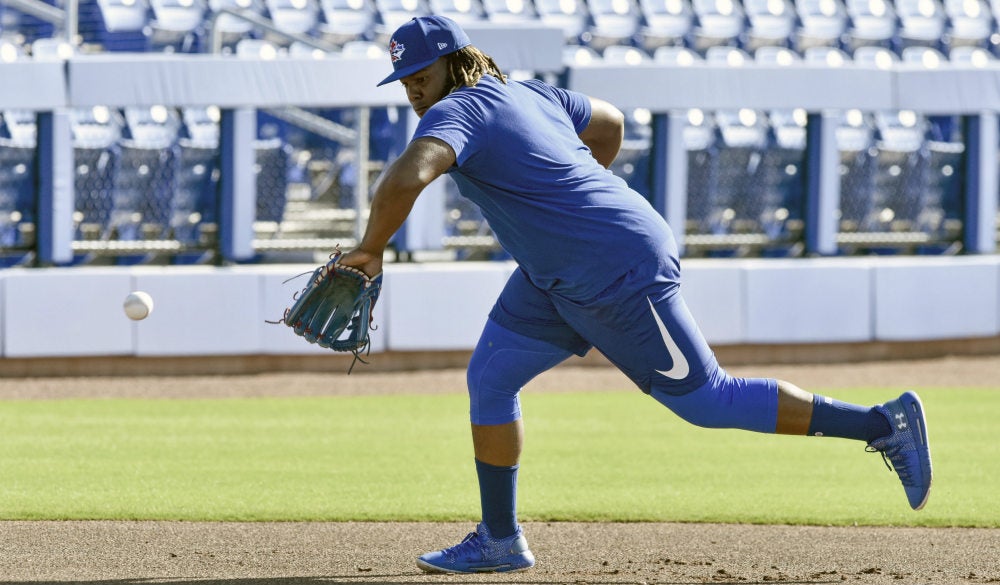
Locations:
column 590, row 456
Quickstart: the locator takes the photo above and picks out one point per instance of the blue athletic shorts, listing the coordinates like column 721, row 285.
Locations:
column 640, row 323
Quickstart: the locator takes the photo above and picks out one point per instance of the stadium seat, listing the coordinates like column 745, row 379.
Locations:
column 855, row 137
column 900, row 179
column 18, row 142
column 509, row 11
column 114, row 25
column 300, row 17
column 770, row 23
column 718, row 23
column 461, row 11
column 230, row 28
column 196, row 200
column 782, row 185
column 614, row 22
column 347, row 20
column 705, row 213
column 970, row 23
column 96, row 132
column 743, row 137
column 821, row 23
column 394, row 14
column 921, row 23
column 143, row 186
column 873, row 23
column 665, row 23
column 571, row 16
column 177, row 25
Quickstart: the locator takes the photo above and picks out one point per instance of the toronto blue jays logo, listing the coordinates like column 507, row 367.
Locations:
column 396, row 50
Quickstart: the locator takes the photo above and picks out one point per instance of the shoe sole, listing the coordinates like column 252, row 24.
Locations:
column 916, row 408
column 429, row 568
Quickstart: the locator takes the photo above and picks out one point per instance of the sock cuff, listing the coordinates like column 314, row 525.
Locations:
column 481, row 466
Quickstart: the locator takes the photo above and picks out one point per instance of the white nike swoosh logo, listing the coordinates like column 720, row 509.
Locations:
column 680, row 368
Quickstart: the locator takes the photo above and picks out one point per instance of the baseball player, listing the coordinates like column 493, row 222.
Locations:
column 598, row 268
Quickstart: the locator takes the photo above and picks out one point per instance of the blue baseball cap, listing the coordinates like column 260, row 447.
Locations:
column 420, row 42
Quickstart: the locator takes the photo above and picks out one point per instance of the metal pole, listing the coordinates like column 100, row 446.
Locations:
column 361, row 186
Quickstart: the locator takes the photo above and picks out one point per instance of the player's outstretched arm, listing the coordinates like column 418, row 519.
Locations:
column 604, row 134
column 424, row 160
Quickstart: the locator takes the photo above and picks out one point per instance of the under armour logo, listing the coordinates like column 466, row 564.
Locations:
column 441, row 46
column 901, row 421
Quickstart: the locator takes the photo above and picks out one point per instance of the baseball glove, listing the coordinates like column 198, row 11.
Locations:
column 336, row 300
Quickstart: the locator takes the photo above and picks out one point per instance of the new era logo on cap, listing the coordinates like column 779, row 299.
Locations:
column 420, row 42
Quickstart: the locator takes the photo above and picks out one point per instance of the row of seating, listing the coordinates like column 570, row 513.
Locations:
column 140, row 174
column 900, row 170
column 182, row 25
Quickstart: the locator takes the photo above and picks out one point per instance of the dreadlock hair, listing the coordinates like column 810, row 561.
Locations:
column 467, row 66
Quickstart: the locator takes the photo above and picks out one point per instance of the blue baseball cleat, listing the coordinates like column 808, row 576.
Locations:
column 481, row 553
column 907, row 446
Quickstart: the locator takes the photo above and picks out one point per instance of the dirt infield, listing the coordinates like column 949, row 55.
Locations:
column 123, row 553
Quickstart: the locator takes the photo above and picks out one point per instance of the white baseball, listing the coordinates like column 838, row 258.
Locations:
column 138, row 305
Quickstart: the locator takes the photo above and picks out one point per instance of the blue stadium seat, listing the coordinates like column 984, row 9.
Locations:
column 300, row 17
column 177, row 25
column 18, row 142
column 719, row 23
column 96, row 153
column 509, row 11
column 272, row 158
column 705, row 213
column 614, row 22
column 394, row 14
column 821, row 23
column 196, row 197
column 571, row 16
column 873, row 23
column 922, row 23
column 666, row 23
column 900, row 181
column 114, row 25
column 970, row 23
column 782, row 186
column 742, row 139
column 232, row 29
column 770, row 23
column 348, row 20
column 461, row 11
column 143, row 187
column 855, row 136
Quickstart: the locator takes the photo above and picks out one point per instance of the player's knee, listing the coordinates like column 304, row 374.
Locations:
column 727, row 403
column 493, row 397
column 502, row 364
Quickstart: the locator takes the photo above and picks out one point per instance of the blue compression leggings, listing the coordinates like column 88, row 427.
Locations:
column 501, row 365
column 504, row 362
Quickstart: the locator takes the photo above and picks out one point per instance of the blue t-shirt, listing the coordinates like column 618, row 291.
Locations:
column 572, row 225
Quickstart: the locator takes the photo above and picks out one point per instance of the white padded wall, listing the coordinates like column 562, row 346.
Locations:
column 936, row 298
column 199, row 311
column 66, row 312
column 807, row 301
column 440, row 306
column 713, row 290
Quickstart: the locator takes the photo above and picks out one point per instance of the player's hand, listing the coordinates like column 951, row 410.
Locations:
column 367, row 262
